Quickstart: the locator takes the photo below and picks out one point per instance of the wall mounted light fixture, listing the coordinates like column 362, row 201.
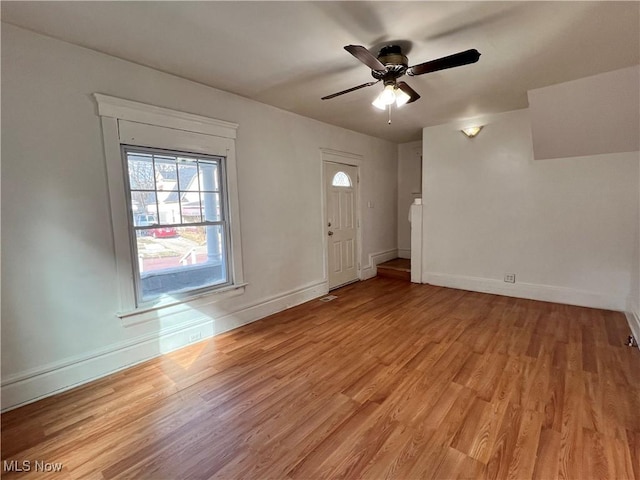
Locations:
column 471, row 131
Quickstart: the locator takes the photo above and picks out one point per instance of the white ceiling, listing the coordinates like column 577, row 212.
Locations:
column 289, row 54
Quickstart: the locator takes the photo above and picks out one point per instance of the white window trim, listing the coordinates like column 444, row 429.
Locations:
column 134, row 123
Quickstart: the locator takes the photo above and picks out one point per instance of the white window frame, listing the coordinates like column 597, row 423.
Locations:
column 125, row 122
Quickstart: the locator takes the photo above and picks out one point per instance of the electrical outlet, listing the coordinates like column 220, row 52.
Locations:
column 510, row 277
column 194, row 337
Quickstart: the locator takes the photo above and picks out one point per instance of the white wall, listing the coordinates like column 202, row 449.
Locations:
column 409, row 183
column 589, row 116
column 635, row 279
column 567, row 228
column 633, row 315
column 58, row 269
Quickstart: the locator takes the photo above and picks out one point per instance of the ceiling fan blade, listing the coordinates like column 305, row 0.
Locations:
column 349, row 90
column 455, row 60
column 409, row 91
column 365, row 56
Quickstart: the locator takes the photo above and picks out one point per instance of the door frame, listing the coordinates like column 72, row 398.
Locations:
column 328, row 155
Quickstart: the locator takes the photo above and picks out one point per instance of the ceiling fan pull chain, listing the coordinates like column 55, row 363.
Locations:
column 389, row 122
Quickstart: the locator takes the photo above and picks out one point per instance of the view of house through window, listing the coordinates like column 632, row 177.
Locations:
column 178, row 221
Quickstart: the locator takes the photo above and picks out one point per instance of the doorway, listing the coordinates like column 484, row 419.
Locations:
column 341, row 222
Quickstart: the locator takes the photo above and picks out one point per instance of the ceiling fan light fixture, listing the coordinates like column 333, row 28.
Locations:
column 471, row 131
column 379, row 104
column 401, row 97
column 386, row 97
column 390, row 64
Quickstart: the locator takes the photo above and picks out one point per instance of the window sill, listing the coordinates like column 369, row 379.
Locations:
column 152, row 312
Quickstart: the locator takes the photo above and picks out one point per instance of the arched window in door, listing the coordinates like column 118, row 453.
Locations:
column 341, row 179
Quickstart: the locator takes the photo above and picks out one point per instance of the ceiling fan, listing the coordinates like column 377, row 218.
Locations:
column 391, row 64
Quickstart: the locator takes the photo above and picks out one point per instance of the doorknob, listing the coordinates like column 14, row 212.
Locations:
column 330, row 233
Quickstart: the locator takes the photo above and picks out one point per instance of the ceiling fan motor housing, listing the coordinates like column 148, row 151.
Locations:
column 395, row 62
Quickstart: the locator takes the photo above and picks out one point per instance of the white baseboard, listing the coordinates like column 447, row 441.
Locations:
column 375, row 259
column 634, row 324
column 35, row 384
column 404, row 253
column 275, row 304
column 545, row 293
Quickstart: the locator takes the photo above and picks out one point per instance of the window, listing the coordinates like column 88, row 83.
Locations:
column 341, row 179
column 178, row 221
column 175, row 212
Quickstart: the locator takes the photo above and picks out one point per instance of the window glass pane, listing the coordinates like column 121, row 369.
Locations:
column 341, row 179
column 165, row 158
column 143, row 208
column 166, row 174
column 140, row 169
column 168, row 208
column 173, row 260
column 191, row 208
column 189, row 185
column 167, row 190
column 211, row 207
column 188, row 176
column 170, row 196
column 209, row 177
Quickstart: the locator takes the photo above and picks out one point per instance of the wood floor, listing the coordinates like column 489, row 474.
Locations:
column 389, row 380
column 399, row 268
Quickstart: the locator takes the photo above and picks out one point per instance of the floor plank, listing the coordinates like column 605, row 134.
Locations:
column 389, row 380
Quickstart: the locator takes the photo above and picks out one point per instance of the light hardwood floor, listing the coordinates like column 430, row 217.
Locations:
column 390, row 380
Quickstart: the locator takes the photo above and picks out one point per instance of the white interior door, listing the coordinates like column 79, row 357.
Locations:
column 341, row 222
